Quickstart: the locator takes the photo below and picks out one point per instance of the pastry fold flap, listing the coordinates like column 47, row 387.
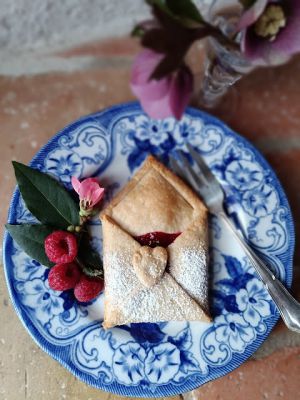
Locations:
column 188, row 260
column 155, row 200
column 148, row 285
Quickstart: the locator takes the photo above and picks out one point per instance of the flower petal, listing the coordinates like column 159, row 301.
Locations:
column 252, row 316
column 242, row 299
column 91, row 180
column 222, row 333
column 157, row 109
column 236, row 319
column 254, row 286
column 76, row 184
column 252, row 14
column 263, row 307
column 91, row 191
column 247, row 334
column 288, row 39
column 261, row 51
column 97, row 195
column 180, row 91
column 220, row 320
column 142, row 68
column 236, row 342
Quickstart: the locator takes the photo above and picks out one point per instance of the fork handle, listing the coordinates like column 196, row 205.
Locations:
column 288, row 307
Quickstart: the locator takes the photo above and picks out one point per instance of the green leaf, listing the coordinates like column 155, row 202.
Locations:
column 161, row 4
column 45, row 198
column 89, row 258
column 92, row 272
column 247, row 3
column 185, row 9
column 137, row 31
column 31, row 238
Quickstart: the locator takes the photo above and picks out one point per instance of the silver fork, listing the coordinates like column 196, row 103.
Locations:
column 210, row 190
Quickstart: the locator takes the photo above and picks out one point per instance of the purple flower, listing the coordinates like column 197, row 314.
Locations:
column 270, row 31
column 165, row 97
column 90, row 192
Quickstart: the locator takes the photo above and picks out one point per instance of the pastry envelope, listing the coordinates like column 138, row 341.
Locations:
column 145, row 284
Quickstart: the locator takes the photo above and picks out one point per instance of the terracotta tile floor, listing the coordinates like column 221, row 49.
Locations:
column 264, row 107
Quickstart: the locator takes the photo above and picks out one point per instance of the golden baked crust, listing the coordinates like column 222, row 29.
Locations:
column 127, row 299
column 149, row 264
column 155, row 200
column 188, row 260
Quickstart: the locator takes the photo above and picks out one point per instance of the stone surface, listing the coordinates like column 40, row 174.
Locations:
column 273, row 377
column 286, row 165
column 264, row 107
column 27, row 373
column 33, row 108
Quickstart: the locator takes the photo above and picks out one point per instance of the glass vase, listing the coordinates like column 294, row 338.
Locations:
column 224, row 64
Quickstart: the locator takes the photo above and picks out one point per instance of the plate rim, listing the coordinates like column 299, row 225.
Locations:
column 195, row 380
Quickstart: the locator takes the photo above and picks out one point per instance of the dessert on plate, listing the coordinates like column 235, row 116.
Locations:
column 155, row 251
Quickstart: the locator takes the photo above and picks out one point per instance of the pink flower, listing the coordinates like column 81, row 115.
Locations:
column 160, row 98
column 89, row 190
column 270, row 31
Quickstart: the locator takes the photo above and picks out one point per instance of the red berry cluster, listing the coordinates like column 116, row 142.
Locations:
column 61, row 248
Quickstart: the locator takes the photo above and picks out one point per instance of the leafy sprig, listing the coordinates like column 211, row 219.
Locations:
column 55, row 208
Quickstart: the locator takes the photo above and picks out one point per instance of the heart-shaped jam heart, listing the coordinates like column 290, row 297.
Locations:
column 149, row 264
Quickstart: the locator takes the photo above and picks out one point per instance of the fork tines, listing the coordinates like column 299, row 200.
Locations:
column 200, row 163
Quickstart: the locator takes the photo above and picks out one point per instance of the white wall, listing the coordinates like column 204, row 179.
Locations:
column 55, row 24
column 30, row 27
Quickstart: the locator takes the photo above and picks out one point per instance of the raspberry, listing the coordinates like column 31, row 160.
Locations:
column 64, row 276
column 88, row 288
column 61, row 247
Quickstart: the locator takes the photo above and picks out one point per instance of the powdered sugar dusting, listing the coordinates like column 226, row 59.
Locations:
column 119, row 276
column 190, row 271
column 154, row 270
column 165, row 301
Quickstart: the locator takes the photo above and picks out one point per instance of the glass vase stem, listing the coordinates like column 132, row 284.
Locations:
column 223, row 68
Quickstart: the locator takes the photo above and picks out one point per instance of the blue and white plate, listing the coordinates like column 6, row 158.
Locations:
column 163, row 359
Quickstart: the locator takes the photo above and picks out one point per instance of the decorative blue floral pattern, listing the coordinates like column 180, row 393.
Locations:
column 241, row 306
column 260, row 201
column 252, row 302
column 128, row 363
column 156, row 133
column 27, row 268
column 64, row 164
column 162, row 363
column 233, row 331
column 243, row 175
column 159, row 359
column 40, row 299
column 141, row 136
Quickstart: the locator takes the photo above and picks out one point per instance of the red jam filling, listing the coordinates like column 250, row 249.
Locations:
column 154, row 239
